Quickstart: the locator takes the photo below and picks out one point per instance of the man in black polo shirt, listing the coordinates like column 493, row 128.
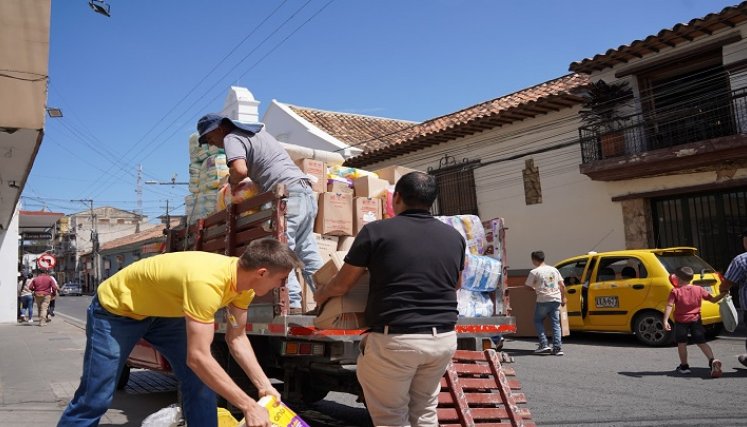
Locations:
column 415, row 265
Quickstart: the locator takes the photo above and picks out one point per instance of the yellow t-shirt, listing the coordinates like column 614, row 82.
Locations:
column 195, row 284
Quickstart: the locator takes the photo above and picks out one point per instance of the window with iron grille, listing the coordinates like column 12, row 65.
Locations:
column 456, row 190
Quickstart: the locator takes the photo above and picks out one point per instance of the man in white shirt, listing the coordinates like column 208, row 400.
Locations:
column 548, row 284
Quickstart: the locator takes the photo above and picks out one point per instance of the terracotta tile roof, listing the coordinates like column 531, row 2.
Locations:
column 668, row 37
column 364, row 132
column 554, row 95
column 150, row 234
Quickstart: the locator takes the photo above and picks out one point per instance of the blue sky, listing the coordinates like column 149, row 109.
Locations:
column 132, row 86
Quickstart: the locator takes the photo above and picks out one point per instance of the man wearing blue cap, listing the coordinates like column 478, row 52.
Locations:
column 252, row 152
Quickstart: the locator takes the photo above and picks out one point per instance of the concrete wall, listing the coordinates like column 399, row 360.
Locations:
column 9, row 271
column 576, row 214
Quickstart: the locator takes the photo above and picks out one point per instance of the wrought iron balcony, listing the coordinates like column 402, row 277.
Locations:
column 648, row 137
column 684, row 124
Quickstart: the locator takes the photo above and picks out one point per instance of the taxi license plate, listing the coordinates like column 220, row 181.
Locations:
column 607, row 302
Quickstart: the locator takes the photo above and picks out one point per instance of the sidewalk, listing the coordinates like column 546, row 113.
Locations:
column 40, row 369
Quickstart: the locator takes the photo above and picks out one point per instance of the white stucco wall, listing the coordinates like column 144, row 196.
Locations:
column 9, row 270
column 287, row 126
column 576, row 214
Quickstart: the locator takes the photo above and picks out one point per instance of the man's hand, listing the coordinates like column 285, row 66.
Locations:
column 563, row 301
column 256, row 416
column 269, row 391
column 319, row 297
column 667, row 326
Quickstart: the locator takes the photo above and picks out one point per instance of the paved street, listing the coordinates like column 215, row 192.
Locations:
column 604, row 379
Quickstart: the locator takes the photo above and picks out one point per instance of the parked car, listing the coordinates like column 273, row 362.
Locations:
column 71, row 288
column 627, row 291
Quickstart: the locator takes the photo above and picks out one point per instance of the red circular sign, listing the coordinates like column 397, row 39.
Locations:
column 46, row 262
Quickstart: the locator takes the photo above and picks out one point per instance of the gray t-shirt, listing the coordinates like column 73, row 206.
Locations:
column 267, row 160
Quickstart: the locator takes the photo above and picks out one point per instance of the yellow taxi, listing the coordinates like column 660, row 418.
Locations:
column 627, row 291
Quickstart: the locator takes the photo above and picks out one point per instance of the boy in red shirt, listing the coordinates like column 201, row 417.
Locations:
column 686, row 300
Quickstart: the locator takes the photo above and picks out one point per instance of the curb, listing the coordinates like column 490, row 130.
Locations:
column 74, row 321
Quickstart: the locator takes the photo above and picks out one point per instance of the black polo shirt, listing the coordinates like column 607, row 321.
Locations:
column 414, row 262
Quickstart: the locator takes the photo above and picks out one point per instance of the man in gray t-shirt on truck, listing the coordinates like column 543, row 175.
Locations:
column 252, row 152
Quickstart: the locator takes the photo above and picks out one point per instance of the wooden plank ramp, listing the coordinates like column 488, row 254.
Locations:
column 478, row 391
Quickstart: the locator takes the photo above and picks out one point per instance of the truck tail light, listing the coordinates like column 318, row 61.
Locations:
column 294, row 348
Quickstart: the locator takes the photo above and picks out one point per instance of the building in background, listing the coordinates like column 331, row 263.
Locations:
column 85, row 233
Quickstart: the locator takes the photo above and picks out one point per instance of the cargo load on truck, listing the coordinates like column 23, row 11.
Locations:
column 324, row 345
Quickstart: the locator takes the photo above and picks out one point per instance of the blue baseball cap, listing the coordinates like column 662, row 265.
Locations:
column 211, row 121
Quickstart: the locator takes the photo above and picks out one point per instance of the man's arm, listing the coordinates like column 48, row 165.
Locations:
column 243, row 353
column 201, row 361
column 237, row 171
column 343, row 281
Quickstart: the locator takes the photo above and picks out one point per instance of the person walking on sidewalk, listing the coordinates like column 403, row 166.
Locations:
column 686, row 300
column 43, row 286
column 550, row 289
column 411, row 308
column 171, row 300
column 736, row 275
column 252, row 152
column 26, row 298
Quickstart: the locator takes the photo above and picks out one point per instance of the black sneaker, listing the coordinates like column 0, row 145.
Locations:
column 742, row 359
column 557, row 351
column 543, row 349
column 684, row 369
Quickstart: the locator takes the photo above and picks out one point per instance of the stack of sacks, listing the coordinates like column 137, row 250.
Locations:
column 207, row 173
column 470, row 227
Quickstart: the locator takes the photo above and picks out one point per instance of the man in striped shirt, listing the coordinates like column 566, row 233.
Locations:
column 736, row 274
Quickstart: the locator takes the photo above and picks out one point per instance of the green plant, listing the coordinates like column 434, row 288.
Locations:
column 599, row 111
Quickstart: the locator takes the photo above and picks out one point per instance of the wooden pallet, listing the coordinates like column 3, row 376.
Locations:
column 477, row 390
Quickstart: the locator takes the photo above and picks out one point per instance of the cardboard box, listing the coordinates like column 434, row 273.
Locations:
column 337, row 186
column 345, row 312
column 345, row 243
column 523, row 300
column 368, row 186
column 331, row 266
column 317, row 171
column 327, row 245
column 393, row 173
column 366, row 210
column 335, row 215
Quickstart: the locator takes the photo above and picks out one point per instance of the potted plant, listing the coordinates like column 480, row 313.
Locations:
column 601, row 116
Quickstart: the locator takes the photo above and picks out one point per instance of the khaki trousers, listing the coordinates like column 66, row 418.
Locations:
column 401, row 376
column 42, row 305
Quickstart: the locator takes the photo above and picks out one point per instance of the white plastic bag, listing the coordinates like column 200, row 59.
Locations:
column 170, row 416
column 728, row 313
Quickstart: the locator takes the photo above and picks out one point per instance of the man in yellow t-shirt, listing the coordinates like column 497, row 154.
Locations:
column 171, row 300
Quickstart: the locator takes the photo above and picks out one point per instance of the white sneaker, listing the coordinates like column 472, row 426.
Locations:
column 543, row 349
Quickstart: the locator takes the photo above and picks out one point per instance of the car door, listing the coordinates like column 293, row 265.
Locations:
column 620, row 285
column 573, row 273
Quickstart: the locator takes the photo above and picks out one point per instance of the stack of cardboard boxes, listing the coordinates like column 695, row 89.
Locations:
column 346, row 203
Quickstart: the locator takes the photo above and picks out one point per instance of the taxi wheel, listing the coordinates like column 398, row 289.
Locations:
column 649, row 329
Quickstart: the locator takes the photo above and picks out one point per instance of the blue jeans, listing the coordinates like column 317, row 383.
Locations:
column 27, row 304
column 301, row 214
column 109, row 341
column 542, row 310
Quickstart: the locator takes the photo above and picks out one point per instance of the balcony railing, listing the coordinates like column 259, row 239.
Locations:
column 683, row 124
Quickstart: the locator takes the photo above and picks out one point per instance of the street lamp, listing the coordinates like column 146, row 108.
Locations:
column 172, row 182
column 100, row 6
column 54, row 112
